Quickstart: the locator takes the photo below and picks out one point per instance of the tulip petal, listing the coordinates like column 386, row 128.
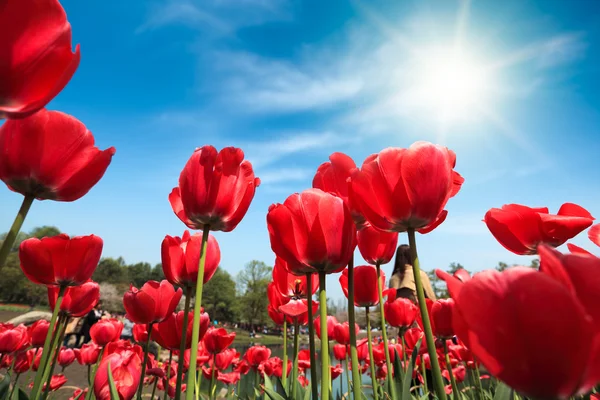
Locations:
column 594, row 234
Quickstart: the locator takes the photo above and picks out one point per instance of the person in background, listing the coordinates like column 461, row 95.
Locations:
column 73, row 329
column 127, row 333
column 403, row 279
column 88, row 321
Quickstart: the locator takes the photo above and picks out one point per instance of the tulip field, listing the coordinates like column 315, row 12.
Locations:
column 521, row 333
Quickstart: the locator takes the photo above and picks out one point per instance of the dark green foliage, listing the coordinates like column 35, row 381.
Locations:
column 219, row 297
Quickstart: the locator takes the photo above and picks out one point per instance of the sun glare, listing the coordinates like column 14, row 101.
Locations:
column 450, row 84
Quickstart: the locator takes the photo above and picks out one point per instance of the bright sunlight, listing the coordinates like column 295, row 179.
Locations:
column 450, row 83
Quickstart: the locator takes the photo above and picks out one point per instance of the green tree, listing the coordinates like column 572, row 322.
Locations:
column 139, row 273
column 111, row 270
column 44, row 231
column 219, row 297
column 252, row 284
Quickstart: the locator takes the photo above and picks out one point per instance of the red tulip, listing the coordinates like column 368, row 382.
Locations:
column 214, row 189
column 243, row 367
column 312, row 231
column 379, row 353
column 399, row 189
column 400, row 312
column 533, row 353
column 87, row 354
column 217, row 339
column 441, row 318
column 290, row 285
column 411, row 337
column 365, row 291
column 224, row 359
column 202, row 356
column 276, row 298
column 13, row 338
column 362, row 347
column 56, row 382
column 276, row 316
column 339, row 352
column 168, row 333
column 336, row 370
column 331, row 323
column 209, row 372
column 66, row 357
column 50, row 156
column 341, row 333
column 106, row 331
column 256, row 355
column 60, row 260
column 38, row 61
column 376, row 247
column 521, row 229
column 304, row 359
column 461, row 353
column 140, row 333
column 23, row 361
column 79, row 394
column 78, row 300
column 333, row 177
column 594, row 234
column 576, row 249
column 38, row 332
column 120, row 346
column 274, row 367
column 298, row 309
column 303, row 380
column 460, row 373
column 6, row 361
column 126, row 368
column 154, row 302
column 230, row 378
column 180, row 258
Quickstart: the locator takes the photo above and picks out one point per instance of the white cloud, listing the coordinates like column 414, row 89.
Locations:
column 266, row 85
column 220, row 17
column 279, row 175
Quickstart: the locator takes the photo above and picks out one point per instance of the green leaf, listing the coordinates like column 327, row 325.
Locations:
column 4, row 387
column 408, row 376
column 114, row 394
column 398, row 372
column 503, row 392
column 270, row 390
column 308, row 391
column 23, row 396
column 282, row 390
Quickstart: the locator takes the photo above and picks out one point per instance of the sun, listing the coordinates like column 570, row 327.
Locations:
column 450, row 83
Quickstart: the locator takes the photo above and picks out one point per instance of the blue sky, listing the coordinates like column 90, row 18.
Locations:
column 290, row 82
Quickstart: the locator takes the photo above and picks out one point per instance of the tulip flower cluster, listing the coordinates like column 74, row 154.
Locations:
column 536, row 331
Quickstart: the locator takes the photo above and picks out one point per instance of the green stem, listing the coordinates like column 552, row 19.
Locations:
column 143, row 375
column 191, row 383
column 311, row 340
column 348, row 373
column 15, row 384
column 35, row 392
column 449, row 368
column 11, row 236
column 166, row 395
column 198, row 384
column 56, row 345
column 424, row 375
column 90, row 392
column 388, row 361
column 295, row 369
column 478, row 381
column 372, row 363
column 212, row 391
column 153, row 388
column 352, row 322
column 435, row 366
column 186, row 311
column 403, row 351
column 285, row 356
column 324, row 339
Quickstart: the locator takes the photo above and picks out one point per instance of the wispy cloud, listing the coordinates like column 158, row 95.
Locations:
column 280, row 175
column 266, row 85
column 220, row 17
column 267, row 152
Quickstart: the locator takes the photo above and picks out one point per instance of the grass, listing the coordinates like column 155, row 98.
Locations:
column 22, row 308
column 242, row 337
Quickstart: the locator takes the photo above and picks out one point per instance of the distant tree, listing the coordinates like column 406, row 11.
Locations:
column 112, row 298
column 20, row 237
column 139, row 273
column 501, row 266
column 252, row 284
column 44, row 231
column 219, row 297
column 157, row 273
column 111, row 270
column 535, row 263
